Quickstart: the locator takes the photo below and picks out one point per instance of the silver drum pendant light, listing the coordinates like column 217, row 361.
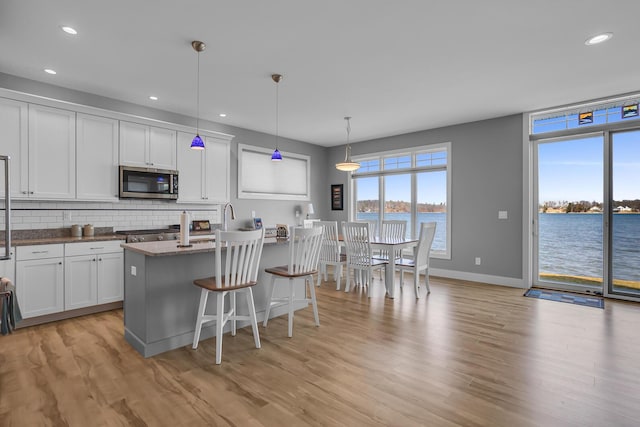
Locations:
column 348, row 165
column 198, row 143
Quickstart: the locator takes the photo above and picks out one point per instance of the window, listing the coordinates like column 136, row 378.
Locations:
column 411, row 185
column 602, row 113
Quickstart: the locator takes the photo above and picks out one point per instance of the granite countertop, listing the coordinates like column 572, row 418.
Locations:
column 170, row 247
column 65, row 239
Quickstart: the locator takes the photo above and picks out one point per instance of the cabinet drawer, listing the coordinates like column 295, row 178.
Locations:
column 39, row 252
column 88, row 248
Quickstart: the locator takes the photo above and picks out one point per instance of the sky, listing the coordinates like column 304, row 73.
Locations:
column 573, row 170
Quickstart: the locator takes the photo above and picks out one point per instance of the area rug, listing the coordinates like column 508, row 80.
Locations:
column 565, row 297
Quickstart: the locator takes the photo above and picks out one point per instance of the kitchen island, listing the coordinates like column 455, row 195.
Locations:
column 161, row 301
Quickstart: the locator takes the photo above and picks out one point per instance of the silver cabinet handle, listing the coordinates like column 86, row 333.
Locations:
column 93, row 249
column 40, row 252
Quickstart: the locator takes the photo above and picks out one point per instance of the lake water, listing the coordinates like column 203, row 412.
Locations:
column 570, row 244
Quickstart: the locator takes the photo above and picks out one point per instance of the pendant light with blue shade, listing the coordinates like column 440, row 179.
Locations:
column 198, row 143
column 276, row 156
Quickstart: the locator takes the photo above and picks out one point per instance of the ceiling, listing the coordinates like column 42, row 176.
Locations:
column 395, row 67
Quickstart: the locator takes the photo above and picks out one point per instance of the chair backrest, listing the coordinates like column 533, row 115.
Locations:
column 243, row 252
column 373, row 226
column 356, row 240
column 308, row 223
column 304, row 249
column 330, row 250
column 394, row 229
column 427, row 233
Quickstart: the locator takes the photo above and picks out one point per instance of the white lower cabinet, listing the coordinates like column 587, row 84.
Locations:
column 93, row 274
column 54, row 278
column 40, row 279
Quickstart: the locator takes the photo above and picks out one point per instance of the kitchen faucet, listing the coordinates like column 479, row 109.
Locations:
column 224, row 214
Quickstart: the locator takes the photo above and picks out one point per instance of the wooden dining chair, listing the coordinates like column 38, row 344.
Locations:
column 359, row 255
column 421, row 261
column 304, row 251
column 243, row 250
column 330, row 252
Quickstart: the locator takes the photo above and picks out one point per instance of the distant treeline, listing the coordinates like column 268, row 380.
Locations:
column 398, row 206
column 585, row 206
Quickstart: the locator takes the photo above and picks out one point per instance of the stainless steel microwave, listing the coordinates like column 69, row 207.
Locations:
column 148, row 183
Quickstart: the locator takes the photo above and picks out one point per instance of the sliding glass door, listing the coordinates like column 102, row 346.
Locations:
column 569, row 221
column 625, row 218
column 587, row 221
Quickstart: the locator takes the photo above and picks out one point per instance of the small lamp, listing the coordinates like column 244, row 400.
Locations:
column 276, row 156
column 310, row 210
column 198, row 143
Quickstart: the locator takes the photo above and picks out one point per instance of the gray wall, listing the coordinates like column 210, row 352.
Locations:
column 271, row 211
column 486, row 166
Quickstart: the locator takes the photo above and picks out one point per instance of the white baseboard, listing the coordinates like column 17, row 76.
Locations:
column 475, row 277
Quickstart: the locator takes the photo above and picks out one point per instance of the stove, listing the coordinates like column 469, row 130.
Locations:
column 135, row 236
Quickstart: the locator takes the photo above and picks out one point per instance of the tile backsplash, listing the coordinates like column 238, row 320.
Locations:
column 122, row 215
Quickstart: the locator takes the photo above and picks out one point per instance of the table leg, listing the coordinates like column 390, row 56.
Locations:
column 389, row 275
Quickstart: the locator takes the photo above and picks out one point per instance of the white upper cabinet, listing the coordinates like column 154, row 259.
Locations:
column 52, row 153
column 203, row 175
column 13, row 137
column 218, row 162
column 147, row 146
column 97, row 158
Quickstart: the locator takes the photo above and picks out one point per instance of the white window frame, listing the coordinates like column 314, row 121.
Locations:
column 413, row 170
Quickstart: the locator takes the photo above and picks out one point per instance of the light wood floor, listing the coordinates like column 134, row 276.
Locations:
column 468, row 355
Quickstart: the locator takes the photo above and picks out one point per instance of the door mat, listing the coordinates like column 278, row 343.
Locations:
column 565, row 297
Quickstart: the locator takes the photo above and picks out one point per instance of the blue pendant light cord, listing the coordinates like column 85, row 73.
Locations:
column 198, row 143
column 276, row 156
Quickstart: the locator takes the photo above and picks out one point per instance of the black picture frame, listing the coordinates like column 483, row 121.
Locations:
column 337, row 197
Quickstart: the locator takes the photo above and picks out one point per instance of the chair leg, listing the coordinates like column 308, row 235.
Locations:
column 347, row 286
column 270, row 290
column 291, row 296
column 219, row 325
column 201, row 307
column 426, row 280
column 338, row 273
column 232, row 309
column 314, row 303
column 416, row 282
column 369, row 277
column 320, row 274
column 252, row 315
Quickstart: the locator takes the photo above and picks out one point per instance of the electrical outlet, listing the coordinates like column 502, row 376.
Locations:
column 478, row 260
column 66, row 216
column 253, row 214
column 503, row 215
column 134, row 271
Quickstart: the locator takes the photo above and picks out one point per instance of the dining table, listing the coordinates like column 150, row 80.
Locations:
column 390, row 245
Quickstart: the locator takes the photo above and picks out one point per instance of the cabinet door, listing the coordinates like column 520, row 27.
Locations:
column 110, row 277
column 8, row 266
column 80, row 282
column 40, row 286
column 13, row 134
column 134, row 144
column 217, row 165
column 190, row 171
column 162, row 148
column 97, row 158
column 52, row 153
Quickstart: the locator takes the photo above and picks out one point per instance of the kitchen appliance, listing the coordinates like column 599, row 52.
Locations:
column 136, row 236
column 5, row 253
column 148, row 183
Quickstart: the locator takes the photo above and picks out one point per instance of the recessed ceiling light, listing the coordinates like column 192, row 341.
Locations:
column 223, row 114
column 50, row 71
column 153, row 98
column 598, row 39
column 69, row 30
